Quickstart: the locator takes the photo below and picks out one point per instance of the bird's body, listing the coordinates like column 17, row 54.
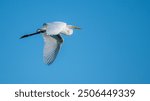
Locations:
column 52, row 38
column 56, row 28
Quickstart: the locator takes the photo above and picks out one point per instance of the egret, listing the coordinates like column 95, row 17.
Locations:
column 52, row 38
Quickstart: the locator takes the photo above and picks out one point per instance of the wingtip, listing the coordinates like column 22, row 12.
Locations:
column 49, row 63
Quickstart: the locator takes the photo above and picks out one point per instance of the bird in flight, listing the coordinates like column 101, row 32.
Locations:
column 52, row 38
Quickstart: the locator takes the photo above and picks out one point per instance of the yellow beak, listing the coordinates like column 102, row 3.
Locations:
column 75, row 27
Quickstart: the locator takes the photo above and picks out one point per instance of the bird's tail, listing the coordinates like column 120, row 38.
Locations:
column 27, row 35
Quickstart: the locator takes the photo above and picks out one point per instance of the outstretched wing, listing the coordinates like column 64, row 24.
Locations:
column 51, row 47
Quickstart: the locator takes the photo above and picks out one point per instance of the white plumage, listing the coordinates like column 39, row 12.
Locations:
column 51, row 48
column 52, row 38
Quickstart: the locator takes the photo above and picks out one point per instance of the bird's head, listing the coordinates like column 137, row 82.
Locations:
column 70, row 29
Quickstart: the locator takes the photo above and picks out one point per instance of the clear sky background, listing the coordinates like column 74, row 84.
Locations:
column 112, row 47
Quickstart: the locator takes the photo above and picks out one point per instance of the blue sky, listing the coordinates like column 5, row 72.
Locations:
column 112, row 47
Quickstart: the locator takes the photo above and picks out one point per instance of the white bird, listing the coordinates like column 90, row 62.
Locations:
column 52, row 38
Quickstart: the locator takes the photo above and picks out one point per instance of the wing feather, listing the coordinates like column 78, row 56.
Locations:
column 51, row 47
